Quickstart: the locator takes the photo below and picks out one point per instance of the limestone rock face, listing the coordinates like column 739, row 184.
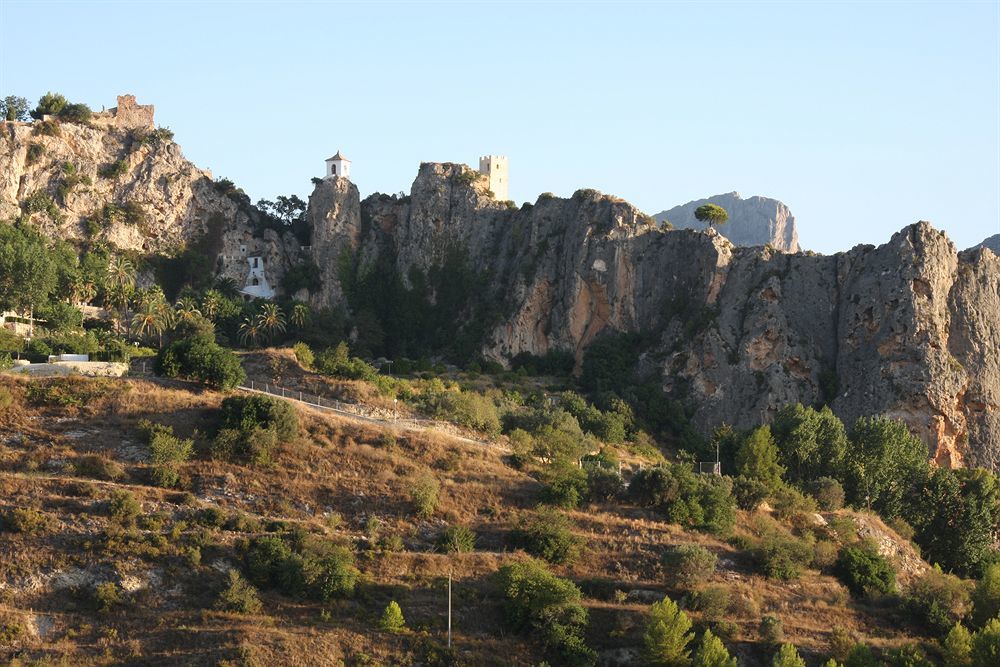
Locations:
column 754, row 221
column 169, row 201
column 910, row 329
column 334, row 213
column 993, row 243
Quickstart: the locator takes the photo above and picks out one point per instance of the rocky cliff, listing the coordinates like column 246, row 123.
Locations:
column 752, row 222
column 910, row 329
column 993, row 243
column 117, row 179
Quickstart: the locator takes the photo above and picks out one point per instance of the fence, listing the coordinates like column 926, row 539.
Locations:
column 302, row 397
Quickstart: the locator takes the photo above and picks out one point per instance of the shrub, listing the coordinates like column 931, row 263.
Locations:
column 986, row 645
column 828, row 492
column 712, row 602
column 864, row 571
column 711, row 652
column 771, row 630
column 113, row 170
column 548, row 534
column 246, row 412
column 107, row 596
column 749, row 492
column 788, row 501
column 667, row 634
column 956, row 647
column 26, row 520
column 304, row 355
column 75, row 113
column 456, row 539
column 699, row 501
column 272, row 563
column 392, row 618
column 124, row 507
column 937, row 601
column 604, row 484
column 99, row 467
column 986, row 596
column 167, row 452
column 201, row 360
column 239, row 596
column 423, row 490
column 35, row 153
column 788, row 656
column 566, row 484
column 337, row 362
column 824, row 554
column 780, row 554
column 689, row 564
column 335, row 576
column 538, row 602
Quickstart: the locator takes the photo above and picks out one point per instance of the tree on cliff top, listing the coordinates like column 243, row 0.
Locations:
column 14, row 108
column 711, row 214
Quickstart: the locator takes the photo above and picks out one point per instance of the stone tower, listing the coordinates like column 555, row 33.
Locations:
column 339, row 166
column 495, row 168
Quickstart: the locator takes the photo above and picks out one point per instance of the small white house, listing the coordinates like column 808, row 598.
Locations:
column 257, row 285
column 338, row 166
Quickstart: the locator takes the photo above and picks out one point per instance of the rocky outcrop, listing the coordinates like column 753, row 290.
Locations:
column 910, row 329
column 117, row 179
column 993, row 243
column 752, row 222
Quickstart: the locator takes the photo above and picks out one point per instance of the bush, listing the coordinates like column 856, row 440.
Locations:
column 771, row 630
column 698, row 501
column 864, row 571
column 250, row 411
column 124, row 507
column 986, row 596
column 75, row 113
column 566, row 484
column 828, row 492
column 938, row 601
column 749, row 492
column 35, row 153
column 604, row 484
column 99, row 467
column 337, row 362
column 548, row 534
column 689, row 564
column 201, row 360
column 113, row 170
column 423, row 490
column 713, row 602
column 456, row 539
column 711, row 652
column 536, row 601
column 304, row 355
column 956, row 647
column 986, row 644
column 26, row 520
column 667, row 634
column 272, row 563
column 780, row 554
column 335, row 577
column 107, row 596
column 787, row 656
column 392, row 618
column 239, row 596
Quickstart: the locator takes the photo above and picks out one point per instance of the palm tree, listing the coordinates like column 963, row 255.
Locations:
column 210, row 303
column 271, row 320
column 186, row 309
column 249, row 331
column 300, row 315
column 149, row 320
column 120, row 283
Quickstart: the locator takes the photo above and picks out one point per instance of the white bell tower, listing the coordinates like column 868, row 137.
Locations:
column 338, row 166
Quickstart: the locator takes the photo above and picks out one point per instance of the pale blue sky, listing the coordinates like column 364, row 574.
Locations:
column 863, row 117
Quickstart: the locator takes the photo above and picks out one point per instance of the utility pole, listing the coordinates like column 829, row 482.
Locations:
column 449, row 609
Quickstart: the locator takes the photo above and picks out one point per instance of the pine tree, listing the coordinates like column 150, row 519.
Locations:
column 667, row 635
column 986, row 645
column 392, row 618
column 788, row 656
column 757, row 458
column 711, row 652
column 956, row 647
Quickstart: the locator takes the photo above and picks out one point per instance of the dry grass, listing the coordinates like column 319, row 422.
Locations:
column 330, row 481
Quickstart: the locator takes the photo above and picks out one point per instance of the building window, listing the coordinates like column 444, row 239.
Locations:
column 255, row 282
column 333, row 170
column 255, row 262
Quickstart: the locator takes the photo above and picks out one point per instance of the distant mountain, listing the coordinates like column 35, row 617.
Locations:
column 752, row 222
column 993, row 243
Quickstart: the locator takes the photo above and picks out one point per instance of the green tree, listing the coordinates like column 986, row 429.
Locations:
column 49, row 104
column 986, row 596
column 812, row 443
column 788, row 656
column 711, row 652
column 271, row 320
column 864, row 571
column 392, row 618
column 27, row 272
column 667, row 635
column 300, row 315
column 954, row 515
column 986, row 645
column 757, row 458
column 884, row 461
column 14, row 108
column 956, row 647
column 711, row 214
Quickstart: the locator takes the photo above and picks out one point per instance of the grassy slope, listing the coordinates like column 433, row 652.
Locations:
column 337, row 466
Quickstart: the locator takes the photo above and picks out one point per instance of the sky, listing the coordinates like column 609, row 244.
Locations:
column 863, row 117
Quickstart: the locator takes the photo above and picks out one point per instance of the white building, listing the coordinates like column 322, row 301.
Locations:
column 256, row 285
column 338, row 166
column 494, row 167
